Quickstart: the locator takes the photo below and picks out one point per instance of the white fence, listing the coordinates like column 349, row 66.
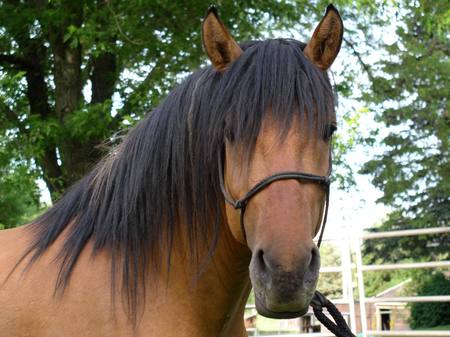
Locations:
column 362, row 297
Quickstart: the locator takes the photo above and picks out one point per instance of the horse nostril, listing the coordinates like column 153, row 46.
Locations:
column 314, row 264
column 261, row 261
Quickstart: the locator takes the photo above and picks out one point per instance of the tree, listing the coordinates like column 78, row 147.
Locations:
column 427, row 315
column 76, row 74
column 63, row 61
column 410, row 97
column 16, row 205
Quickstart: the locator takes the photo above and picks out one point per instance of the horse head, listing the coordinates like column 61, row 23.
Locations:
column 276, row 188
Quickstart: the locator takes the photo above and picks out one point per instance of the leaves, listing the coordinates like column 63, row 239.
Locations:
column 330, row 284
column 426, row 315
column 19, row 197
column 75, row 74
column 411, row 95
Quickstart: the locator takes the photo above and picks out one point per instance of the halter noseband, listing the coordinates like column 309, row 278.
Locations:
column 242, row 203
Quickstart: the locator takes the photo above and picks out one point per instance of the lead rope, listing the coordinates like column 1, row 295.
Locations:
column 339, row 327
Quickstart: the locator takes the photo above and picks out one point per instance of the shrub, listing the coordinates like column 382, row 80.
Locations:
column 427, row 315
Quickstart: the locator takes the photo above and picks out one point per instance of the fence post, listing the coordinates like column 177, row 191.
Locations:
column 348, row 278
column 362, row 295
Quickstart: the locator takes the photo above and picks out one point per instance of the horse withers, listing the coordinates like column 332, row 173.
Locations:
column 220, row 188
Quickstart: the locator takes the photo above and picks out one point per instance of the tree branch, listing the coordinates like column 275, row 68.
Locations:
column 103, row 77
column 12, row 117
column 17, row 61
column 357, row 54
column 145, row 83
column 119, row 28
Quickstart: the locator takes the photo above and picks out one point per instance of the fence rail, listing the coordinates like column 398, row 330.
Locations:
column 406, row 232
column 418, row 333
column 311, row 334
column 360, row 268
column 445, row 298
column 434, row 264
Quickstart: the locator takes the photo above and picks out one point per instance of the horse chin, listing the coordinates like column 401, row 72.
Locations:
column 281, row 312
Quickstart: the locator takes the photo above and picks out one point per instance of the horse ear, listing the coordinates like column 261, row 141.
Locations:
column 218, row 44
column 326, row 41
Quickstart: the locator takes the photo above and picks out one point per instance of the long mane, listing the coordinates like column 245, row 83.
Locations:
column 163, row 178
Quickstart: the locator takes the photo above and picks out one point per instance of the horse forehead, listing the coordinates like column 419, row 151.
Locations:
column 273, row 138
column 299, row 149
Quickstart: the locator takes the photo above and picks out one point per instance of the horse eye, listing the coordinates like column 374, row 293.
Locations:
column 329, row 130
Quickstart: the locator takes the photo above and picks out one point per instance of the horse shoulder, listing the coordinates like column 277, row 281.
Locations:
column 16, row 319
column 31, row 308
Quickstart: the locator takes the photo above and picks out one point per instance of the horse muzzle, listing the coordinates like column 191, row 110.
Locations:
column 284, row 287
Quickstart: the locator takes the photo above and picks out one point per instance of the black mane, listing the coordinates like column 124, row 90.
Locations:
column 163, row 178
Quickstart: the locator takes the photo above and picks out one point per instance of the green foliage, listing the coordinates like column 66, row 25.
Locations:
column 19, row 197
column 330, row 284
column 19, row 193
column 426, row 315
column 376, row 282
column 74, row 74
column 64, row 63
column 410, row 97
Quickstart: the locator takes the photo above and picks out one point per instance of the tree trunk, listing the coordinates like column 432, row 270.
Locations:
column 77, row 156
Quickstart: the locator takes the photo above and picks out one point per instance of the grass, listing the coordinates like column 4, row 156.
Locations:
column 441, row 327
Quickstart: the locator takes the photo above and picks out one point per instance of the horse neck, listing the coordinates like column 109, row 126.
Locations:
column 221, row 289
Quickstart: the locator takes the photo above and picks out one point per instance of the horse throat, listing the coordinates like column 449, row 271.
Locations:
column 218, row 294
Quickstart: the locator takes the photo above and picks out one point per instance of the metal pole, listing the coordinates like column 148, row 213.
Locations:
column 395, row 266
column 406, row 232
column 417, row 333
column 422, row 299
column 362, row 296
column 347, row 276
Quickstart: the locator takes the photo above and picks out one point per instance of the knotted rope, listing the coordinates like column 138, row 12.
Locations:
column 339, row 327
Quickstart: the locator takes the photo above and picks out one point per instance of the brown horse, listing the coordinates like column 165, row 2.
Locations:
column 152, row 241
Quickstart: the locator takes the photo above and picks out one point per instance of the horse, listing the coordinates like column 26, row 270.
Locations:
column 220, row 188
